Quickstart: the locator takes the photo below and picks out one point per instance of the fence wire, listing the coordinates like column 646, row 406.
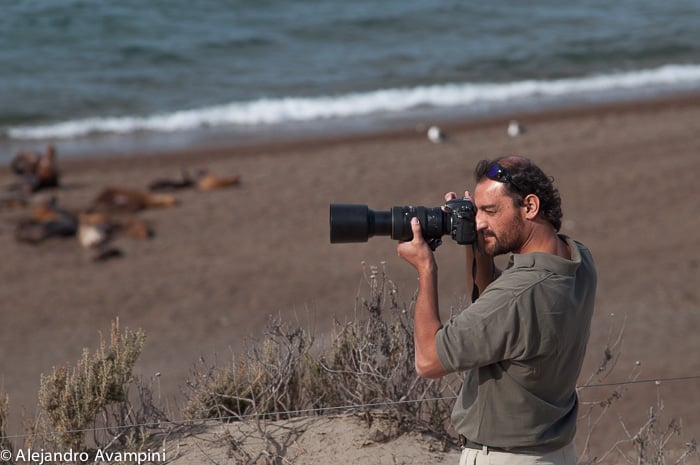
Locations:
column 318, row 410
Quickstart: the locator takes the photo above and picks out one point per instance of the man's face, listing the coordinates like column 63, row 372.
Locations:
column 500, row 225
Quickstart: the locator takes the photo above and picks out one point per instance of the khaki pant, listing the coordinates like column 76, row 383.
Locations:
column 564, row 456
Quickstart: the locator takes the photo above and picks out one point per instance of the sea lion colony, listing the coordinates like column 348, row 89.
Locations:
column 112, row 213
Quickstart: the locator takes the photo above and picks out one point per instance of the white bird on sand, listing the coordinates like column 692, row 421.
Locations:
column 515, row 129
column 94, row 230
column 435, row 135
column 91, row 236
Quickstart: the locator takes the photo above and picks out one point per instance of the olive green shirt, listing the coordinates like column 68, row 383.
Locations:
column 522, row 344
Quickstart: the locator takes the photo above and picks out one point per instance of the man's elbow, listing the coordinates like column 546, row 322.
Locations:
column 430, row 369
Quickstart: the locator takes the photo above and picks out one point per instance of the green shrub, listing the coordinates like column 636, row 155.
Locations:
column 71, row 399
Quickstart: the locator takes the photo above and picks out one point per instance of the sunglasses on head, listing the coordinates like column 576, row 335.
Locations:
column 498, row 173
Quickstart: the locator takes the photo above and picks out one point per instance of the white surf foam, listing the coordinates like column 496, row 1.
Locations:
column 291, row 109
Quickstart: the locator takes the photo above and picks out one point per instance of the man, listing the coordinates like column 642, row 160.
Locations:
column 522, row 342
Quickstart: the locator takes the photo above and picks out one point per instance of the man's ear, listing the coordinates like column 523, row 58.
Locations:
column 532, row 206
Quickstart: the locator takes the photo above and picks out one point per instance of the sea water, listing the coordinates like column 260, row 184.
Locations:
column 167, row 73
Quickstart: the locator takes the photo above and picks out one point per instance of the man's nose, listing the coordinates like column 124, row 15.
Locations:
column 480, row 223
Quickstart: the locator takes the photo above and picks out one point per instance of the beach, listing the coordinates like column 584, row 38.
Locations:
column 222, row 263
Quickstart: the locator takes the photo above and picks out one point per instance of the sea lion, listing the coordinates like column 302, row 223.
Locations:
column 47, row 168
column 34, row 231
column 116, row 199
column 46, row 220
column 165, row 184
column 97, row 228
column 203, row 181
column 207, row 181
column 36, row 171
column 137, row 228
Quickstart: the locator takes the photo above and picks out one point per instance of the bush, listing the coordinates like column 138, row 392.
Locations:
column 655, row 442
column 4, row 442
column 268, row 380
column 74, row 400
column 369, row 364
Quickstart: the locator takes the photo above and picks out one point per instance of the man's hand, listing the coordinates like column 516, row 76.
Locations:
column 426, row 317
column 417, row 252
column 451, row 196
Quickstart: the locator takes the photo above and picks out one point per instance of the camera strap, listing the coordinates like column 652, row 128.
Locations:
column 475, row 288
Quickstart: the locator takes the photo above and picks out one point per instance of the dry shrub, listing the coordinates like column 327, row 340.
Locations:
column 655, row 441
column 370, row 364
column 265, row 381
column 368, row 368
column 650, row 444
column 4, row 442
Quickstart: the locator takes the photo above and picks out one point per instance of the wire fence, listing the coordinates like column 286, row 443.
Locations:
column 339, row 408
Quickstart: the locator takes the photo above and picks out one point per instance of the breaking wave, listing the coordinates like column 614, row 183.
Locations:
column 386, row 101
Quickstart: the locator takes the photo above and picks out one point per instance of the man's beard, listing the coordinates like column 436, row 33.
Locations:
column 506, row 242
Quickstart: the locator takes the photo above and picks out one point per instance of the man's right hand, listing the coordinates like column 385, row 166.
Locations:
column 486, row 270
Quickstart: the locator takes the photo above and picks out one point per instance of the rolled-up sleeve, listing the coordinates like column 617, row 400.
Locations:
column 486, row 332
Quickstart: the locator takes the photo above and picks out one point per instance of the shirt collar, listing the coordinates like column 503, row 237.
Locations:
column 546, row 261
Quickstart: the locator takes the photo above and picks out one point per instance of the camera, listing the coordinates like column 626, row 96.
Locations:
column 357, row 223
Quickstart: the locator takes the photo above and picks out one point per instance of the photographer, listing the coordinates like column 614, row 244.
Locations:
column 522, row 342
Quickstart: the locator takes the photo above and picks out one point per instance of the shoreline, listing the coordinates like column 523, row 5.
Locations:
column 157, row 145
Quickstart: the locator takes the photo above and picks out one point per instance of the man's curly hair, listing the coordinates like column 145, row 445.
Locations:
column 526, row 178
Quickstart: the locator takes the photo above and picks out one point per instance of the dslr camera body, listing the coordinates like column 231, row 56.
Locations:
column 357, row 223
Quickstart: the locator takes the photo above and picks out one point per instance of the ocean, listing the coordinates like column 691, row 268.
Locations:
column 97, row 76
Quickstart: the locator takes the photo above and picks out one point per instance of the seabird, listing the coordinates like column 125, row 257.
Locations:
column 515, row 129
column 435, row 135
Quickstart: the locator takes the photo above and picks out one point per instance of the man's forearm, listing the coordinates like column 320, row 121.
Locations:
column 426, row 325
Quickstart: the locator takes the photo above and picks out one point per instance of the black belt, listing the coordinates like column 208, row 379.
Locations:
column 467, row 444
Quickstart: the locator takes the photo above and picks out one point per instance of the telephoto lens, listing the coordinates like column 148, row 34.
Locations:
column 357, row 223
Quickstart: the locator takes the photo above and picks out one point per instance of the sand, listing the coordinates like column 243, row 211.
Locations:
column 222, row 263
